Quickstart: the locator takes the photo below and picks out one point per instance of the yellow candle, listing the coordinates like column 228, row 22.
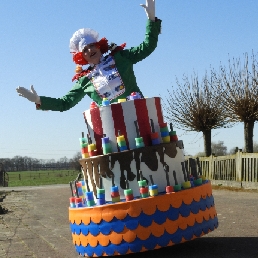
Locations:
column 91, row 147
column 120, row 138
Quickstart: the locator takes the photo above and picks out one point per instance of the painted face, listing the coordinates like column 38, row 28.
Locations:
column 91, row 54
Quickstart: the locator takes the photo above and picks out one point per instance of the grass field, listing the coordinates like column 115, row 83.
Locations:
column 43, row 177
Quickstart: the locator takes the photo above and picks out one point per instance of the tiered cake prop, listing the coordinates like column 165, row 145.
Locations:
column 138, row 194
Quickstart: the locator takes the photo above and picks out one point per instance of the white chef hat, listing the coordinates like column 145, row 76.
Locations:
column 82, row 38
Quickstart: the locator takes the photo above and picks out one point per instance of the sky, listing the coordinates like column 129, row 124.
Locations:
column 35, row 34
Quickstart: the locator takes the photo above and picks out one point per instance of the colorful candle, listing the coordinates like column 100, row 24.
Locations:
column 187, row 183
column 144, row 191
column 169, row 188
column 164, row 133
column 154, row 135
column 121, row 142
column 84, row 146
column 128, row 192
column 139, row 140
column 115, row 195
column 153, row 189
column 78, row 202
column 72, row 202
column 172, row 134
column 105, row 102
column 106, row 146
column 101, row 193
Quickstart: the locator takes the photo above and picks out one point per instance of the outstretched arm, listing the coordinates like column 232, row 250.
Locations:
column 30, row 95
column 74, row 96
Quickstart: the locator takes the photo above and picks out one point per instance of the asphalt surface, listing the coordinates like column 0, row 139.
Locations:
column 37, row 225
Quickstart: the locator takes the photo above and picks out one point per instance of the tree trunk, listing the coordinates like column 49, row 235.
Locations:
column 207, row 142
column 248, row 131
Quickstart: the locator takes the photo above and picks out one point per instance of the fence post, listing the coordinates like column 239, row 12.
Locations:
column 211, row 167
column 239, row 165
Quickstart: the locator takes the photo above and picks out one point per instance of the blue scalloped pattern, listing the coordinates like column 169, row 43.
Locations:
column 152, row 241
column 144, row 220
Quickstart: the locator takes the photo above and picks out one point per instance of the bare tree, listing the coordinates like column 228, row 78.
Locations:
column 194, row 106
column 218, row 148
column 241, row 95
column 75, row 164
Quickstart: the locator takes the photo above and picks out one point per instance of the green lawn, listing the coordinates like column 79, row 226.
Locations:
column 36, row 178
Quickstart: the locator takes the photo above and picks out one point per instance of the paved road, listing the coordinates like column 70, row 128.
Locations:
column 37, row 226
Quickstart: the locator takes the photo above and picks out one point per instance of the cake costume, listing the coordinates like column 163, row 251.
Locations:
column 137, row 192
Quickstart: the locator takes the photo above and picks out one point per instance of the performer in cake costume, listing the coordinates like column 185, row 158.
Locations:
column 108, row 76
column 137, row 193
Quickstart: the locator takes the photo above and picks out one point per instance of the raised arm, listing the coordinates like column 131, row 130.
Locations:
column 153, row 27
column 149, row 9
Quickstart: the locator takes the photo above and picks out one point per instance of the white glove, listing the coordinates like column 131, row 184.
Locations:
column 31, row 94
column 149, row 9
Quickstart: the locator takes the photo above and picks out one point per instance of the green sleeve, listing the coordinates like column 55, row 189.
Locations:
column 73, row 97
column 136, row 54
